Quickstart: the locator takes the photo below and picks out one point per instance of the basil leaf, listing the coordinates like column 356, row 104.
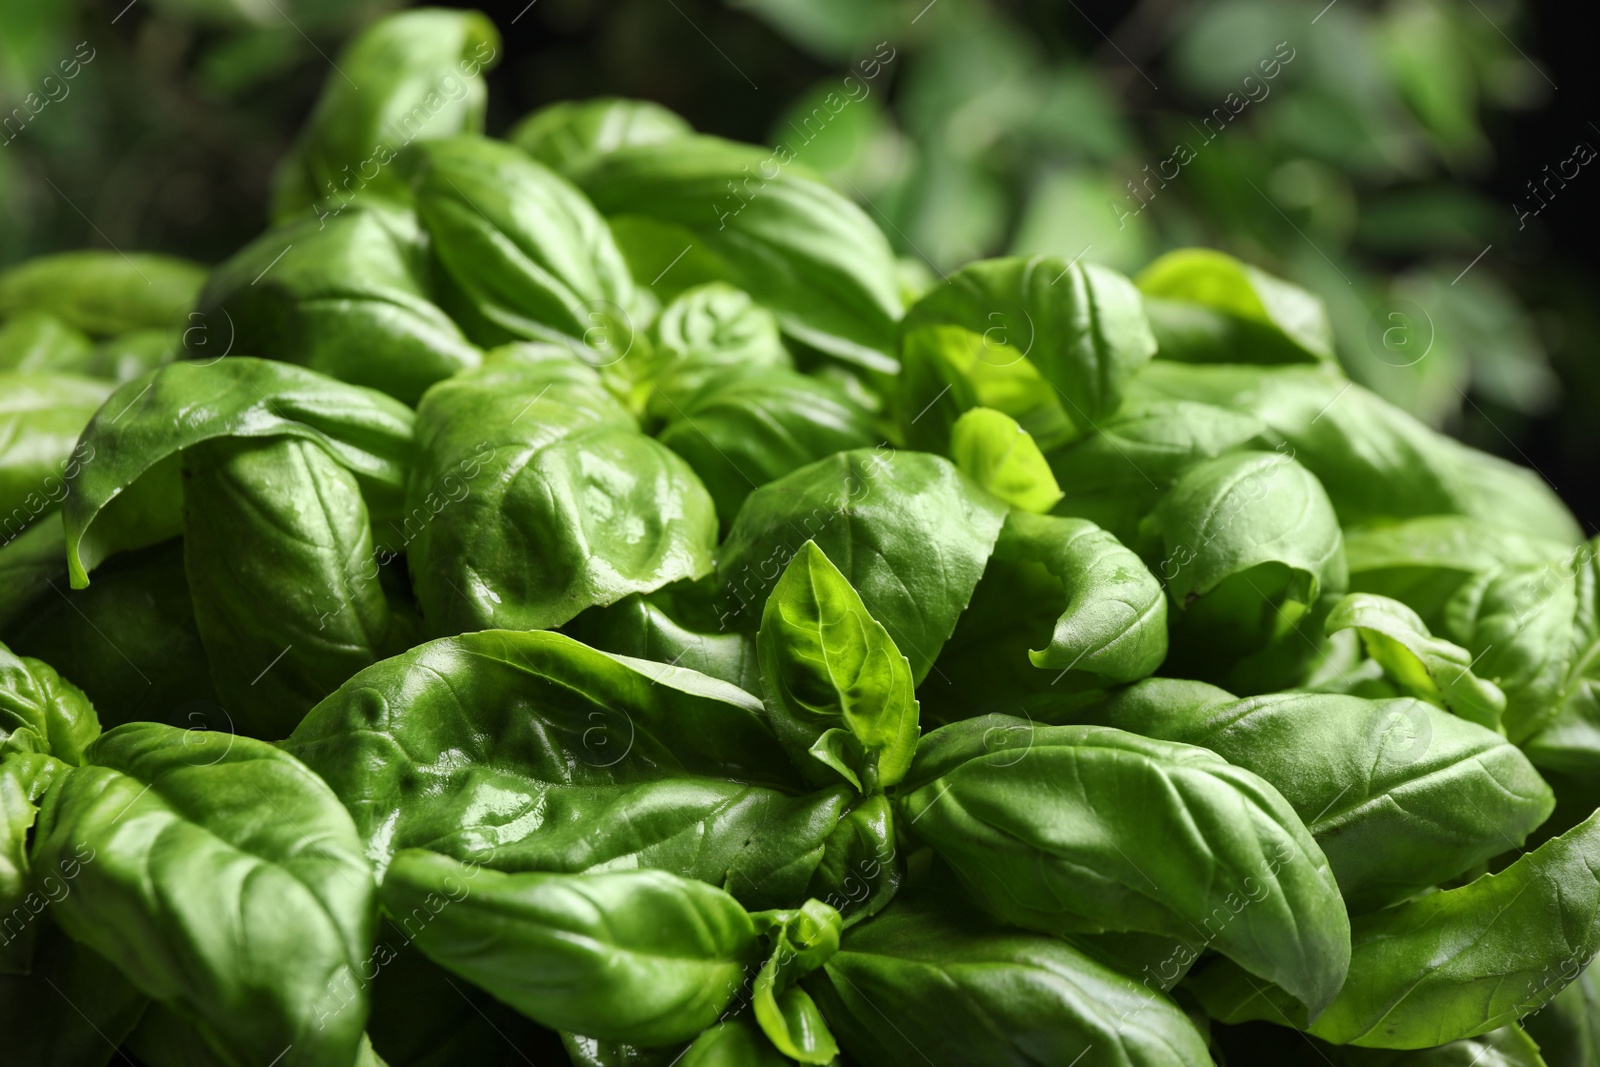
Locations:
column 37, row 341
column 1082, row 325
column 41, row 712
column 1452, row 964
column 671, row 625
column 180, row 405
column 531, row 257
column 1042, row 833
column 1207, row 307
column 569, row 135
column 838, row 692
column 103, row 293
column 536, row 497
column 24, row 777
column 947, row 371
column 1425, row 666
column 791, row 242
column 999, row 455
column 347, row 295
column 414, row 75
column 742, row 433
column 908, row 531
column 287, row 622
column 41, row 416
column 643, row 957
column 1399, row 795
column 802, row 939
column 1376, row 462
column 924, row 984
column 225, row 880
column 72, row 1010
column 1571, row 739
column 735, row 1043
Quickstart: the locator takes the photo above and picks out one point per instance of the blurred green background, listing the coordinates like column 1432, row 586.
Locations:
column 1379, row 153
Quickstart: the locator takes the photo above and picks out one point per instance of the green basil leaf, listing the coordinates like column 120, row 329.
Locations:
column 802, row 939
column 345, row 295
column 511, row 458
column 569, row 135
column 672, row 625
column 288, row 621
column 104, row 293
column 41, row 416
column 643, row 957
column 73, row 1010
column 531, row 257
column 1399, row 795
column 1119, row 474
column 910, row 533
column 410, row 76
column 1207, row 307
column 1452, row 964
column 838, row 692
column 736, row 1043
column 37, row 341
column 1114, row 624
column 226, row 880
column 42, row 712
column 126, row 356
column 742, row 433
column 129, row 641
column 153, row 418
column 781, row 234
column 999, row 455
column 1570, row 741
column 1082, row 325
column 1043, row 831
column 24, row 777
column 923, row 984
column 947, row 370
column 1425, row 666
column 1376, row 462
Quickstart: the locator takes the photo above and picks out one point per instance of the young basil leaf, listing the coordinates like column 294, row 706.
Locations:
column 535, row 497
column 1424, row 666
column 1376, row 462
column 1114, row 624
column 72, row 1010
column 738, row 1042
column 1452, row 964
column 742, row 433
column 225, row 879
column 924, row 984
column 347, row 296
column 1119, row 474
column 910, row 533
column 287, row 621
column 38, row 342
column 783, row 236
column 643, row 957
column 531, row 257
column 104, row 293
column 129, row 641
column 24, row 777
column 42, row 712
column 41, row 416
column 708, row 337
column 802, row 939
column 1082, row 325
column 1568, row 1028
column 153, row 418
column 1043, row 832
column 948, row 370
column 1207, row 307
column 1399, row 795
column 999, row 455
column 410, row 76
column 838, row 692
column 569, row 135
